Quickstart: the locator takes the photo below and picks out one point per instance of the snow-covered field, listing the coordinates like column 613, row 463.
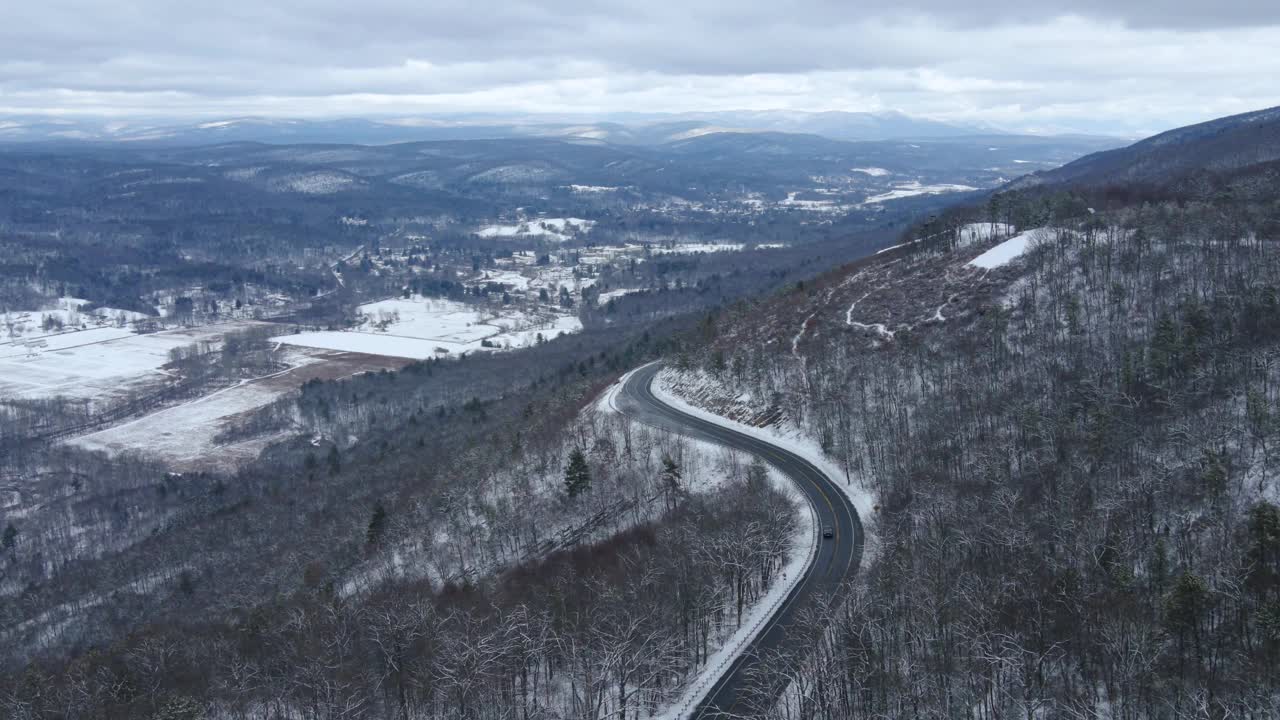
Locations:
column 604, row 297
column 872, row 171
column 100, row 364
column 420, row 328
column 556, row 229
column 68, row 315
column 913, row 188
column 183, row 435
column 826, row 206
column 593, row 189
column 687, row 248
column 97, row 363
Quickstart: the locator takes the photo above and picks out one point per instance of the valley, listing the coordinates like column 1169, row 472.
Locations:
column 757, row 423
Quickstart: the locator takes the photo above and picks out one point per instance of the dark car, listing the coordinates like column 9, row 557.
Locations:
column 828, row 531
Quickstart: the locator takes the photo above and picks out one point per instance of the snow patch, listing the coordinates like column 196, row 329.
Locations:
column 557, row 229
column 1007, row 251
column 604, row 297
column 593, row 189
column 689, row 248
column 913, row 188
column 420, row 328
column 314, row 183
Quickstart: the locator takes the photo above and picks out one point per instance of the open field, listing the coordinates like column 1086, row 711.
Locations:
column 420, row 328
column 69, row 315
column 98, row 363
column 553, row 229
column 183, row 435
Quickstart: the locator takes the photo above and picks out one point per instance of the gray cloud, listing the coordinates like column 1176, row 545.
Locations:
column 1030, row 63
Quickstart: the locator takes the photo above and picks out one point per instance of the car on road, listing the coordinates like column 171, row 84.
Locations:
column 828, row 531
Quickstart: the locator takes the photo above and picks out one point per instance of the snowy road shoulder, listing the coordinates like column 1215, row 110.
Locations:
column 801, row 555
column 863, row 501
column 804, row 548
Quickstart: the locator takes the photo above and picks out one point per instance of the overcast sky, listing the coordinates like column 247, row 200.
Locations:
column 1122, row 65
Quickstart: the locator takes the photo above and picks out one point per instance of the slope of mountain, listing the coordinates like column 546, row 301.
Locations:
column 1221, row 146
column 1067, row 425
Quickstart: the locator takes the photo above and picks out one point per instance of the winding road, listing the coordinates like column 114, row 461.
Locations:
column 837, row 559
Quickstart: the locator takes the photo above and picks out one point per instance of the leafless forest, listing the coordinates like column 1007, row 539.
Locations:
column 1075, row 460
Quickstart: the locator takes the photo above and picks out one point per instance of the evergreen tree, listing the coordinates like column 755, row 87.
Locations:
column 377, row 525
column 186, row 583
column 1185, row 605
column 1215, row 473
column 10, row 536
column 577, row 476
column 1264, row 548
column 671, row 480
column 757, row 474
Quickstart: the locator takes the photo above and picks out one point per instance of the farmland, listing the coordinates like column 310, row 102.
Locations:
column 420, row 328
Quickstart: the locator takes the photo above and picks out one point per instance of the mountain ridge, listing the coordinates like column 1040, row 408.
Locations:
column 1222, row 146
column 638, row 129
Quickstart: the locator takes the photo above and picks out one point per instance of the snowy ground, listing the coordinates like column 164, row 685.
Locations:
column 803, row 548
column 977, row 233
column 420, row 328
column 183, row 435
column 604, row 297
column 673, row 388
column 593, row 189
column 827, row 206
column 913, row 188
column 68, row 315
column 688, row 248
column 555, row 229
column 577, row 268
column 705, row 467
column 101, row 363
column 1007, row 251
column 97, row 363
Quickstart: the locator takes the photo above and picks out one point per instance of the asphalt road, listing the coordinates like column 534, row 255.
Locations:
column 838, row 557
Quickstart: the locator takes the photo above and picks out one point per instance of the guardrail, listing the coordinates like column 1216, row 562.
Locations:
column 708, row 677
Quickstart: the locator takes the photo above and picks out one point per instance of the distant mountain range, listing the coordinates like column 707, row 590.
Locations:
column 624, row 129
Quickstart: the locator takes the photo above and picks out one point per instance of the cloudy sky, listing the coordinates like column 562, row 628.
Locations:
column 1129, row 66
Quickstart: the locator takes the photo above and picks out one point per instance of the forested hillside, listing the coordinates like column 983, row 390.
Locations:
column 1074, row 449
column 450, row 557
column 1220, row 146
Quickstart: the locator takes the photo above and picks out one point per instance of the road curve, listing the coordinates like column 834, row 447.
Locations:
column 838, row 557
